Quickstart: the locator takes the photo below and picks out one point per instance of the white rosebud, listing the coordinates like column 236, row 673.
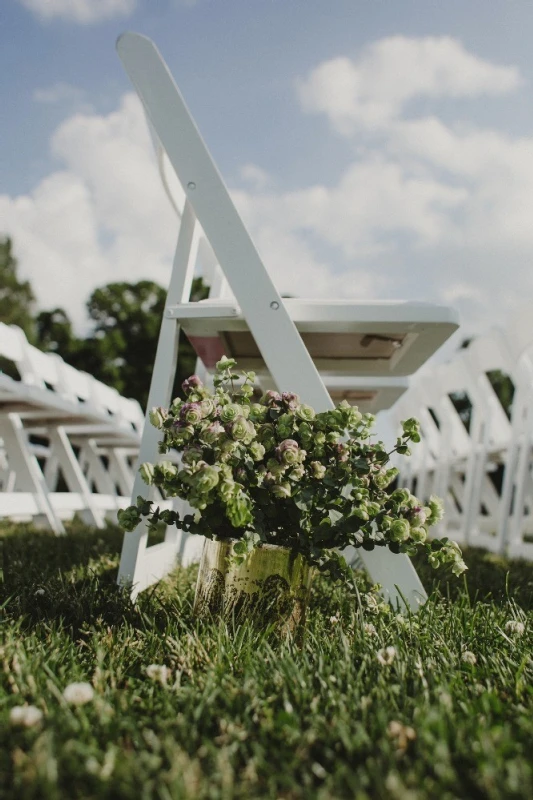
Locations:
column 147, row 472
column 514, row 626
column 78, row 694
column 386, row 656
column 25, row 716
column 158, row 672
column 157, row 416
column 469, row 658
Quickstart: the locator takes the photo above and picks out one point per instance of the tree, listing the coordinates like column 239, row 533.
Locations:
column 55, row 334
column 121, row 349
column 16, row 297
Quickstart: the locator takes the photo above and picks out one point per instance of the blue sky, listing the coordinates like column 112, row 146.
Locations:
column 376, row 148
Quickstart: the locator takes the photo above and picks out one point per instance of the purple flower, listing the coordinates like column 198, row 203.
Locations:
column 287, row 452
column 191, row 413
column 291, row 400
column 190, row 384
column 271, row 398
column 342, row 452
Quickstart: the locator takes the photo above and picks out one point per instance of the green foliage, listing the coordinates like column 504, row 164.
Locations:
column 121, row 348
column 55, row 334
column 274, row 468
column 16, row 296
column 194, row 710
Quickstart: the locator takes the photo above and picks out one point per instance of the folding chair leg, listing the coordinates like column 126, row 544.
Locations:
column 74, row 476
column 140, row 566
column 29, row 476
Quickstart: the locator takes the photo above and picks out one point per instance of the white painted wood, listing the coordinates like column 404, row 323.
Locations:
column 140, row 565
column 29, row 477
column 280, row 344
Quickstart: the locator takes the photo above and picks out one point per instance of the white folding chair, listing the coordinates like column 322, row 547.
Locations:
column 260, row 328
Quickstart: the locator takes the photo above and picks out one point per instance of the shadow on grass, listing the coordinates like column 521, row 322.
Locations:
column 489, row 577
column 71, row 579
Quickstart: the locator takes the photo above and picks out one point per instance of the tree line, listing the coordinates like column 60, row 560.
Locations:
column 119, row 348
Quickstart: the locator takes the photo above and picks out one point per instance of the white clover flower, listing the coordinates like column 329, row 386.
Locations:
column 401, row 734
column 366, row 702
column 386, row 655
column 469, row 657
column 78, row 694
column 158, row 672
column 25, row 716
column 400, row 619
column 334, row 620
column 370, row 629
column 39, row 592
column 514, row 626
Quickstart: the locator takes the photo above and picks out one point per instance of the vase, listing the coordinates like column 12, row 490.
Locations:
column 271, row 585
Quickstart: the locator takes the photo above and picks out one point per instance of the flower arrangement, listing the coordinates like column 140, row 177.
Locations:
column 276, row 472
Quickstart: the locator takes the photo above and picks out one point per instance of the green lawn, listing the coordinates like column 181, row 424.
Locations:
column 245, row 715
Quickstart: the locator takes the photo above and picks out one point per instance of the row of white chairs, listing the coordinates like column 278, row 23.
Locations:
column 68, row 441
column 478, row 458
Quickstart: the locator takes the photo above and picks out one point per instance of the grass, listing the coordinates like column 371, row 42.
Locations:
column 246, row 715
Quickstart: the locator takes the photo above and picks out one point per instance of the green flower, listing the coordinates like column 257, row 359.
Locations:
column 281, row 490
column 419, row 535
column 191, row 413
column 228, row 449
column 157, row 416
column 207, row 407
column 297, row 473
column 267, row 436
column 319, row 470
column 239, row 510
column 401, row 496
column 383, row 478
column 242, row 430
column 285, row 425
column 289, row 453
column 205, row 479
column 400, row 530
column 225, row 364
column 165, row 470
column 192, row 454
column 212, row 432
column 305, row 432
column 436, row 510
column 147, row 472
column 275, row 467
column 258, row 413
column 227, row 488
column 458, row 567
column 230, row 412
column 305, row 413
column 257, row 451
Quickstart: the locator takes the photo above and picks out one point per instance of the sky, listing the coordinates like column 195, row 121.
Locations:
column 376, row 149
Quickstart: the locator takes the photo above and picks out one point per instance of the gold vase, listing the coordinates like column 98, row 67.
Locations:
column 270, row 586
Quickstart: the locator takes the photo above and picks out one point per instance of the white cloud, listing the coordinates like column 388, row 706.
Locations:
column 103, row 217
column 374, row 89
column 427, row 210
column 456, row 198
column 84, row 12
